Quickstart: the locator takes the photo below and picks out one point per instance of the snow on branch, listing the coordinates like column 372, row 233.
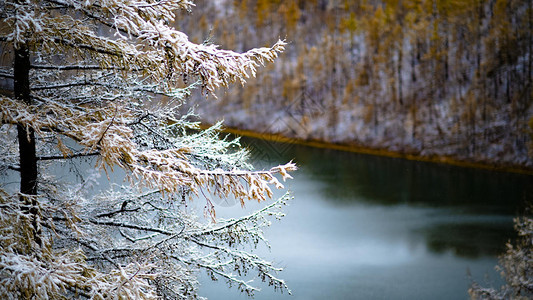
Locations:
column 107, row 80
column 150, row 44
column 192, row 242
column 26, row 271
column 168, row 170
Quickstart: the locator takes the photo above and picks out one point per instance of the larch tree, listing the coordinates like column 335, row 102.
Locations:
column 516, row 267
column 104, row 79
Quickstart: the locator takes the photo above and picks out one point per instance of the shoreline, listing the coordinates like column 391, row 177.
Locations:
column 276, row 137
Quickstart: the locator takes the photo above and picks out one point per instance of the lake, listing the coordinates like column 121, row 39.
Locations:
column 369, row 227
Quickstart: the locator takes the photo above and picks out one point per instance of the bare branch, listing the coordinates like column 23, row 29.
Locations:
column 72, row 67
column 80, row 67
column 14, row 168
column 59, row 86
column 56, row 157
column 7, row 75
column 121, row 210
column 134, row 240
column 131, row 226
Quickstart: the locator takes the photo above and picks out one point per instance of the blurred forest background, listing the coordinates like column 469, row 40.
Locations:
column 426, row 77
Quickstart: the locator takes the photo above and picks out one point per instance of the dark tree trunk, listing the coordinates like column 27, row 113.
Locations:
column 529, row 72
column 26, row 139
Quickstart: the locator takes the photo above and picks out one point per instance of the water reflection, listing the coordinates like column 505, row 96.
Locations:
column 366, row 227
column 469, row 239
column 391, row 181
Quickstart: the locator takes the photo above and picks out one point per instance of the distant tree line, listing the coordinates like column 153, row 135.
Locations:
column 429, row 77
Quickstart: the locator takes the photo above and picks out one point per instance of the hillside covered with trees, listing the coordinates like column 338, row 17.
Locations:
column 432, row 78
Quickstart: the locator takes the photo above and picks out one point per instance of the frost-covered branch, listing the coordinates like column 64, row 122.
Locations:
column 243, row 285
column 516, row 267
column 241, row 262
column 267, row 210
column 106, row 79
column 164, row 48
